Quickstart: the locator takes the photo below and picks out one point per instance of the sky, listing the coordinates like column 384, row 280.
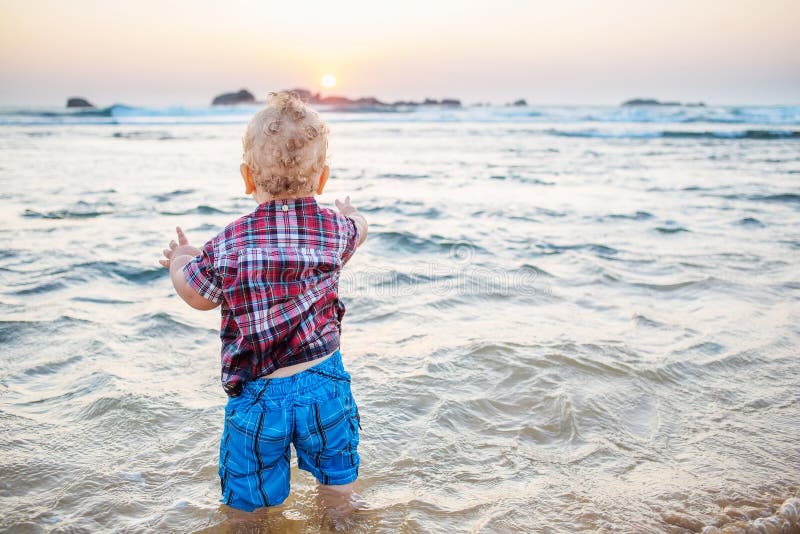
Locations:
column 151, row 52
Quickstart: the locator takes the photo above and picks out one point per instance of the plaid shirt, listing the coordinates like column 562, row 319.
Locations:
column 275, row 273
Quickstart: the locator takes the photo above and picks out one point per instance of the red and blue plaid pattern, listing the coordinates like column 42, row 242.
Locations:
column 275, row 273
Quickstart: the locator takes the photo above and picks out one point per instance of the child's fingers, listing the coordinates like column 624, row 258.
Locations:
column 164, row 263
column 181, row 236
column 342, row 204
column 173, row 245
column 168, row 252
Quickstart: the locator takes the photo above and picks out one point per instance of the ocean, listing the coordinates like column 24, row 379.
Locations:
column 564, row 319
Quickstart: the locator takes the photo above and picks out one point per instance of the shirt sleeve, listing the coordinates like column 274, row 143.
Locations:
column 203, row 276
column 353, row 236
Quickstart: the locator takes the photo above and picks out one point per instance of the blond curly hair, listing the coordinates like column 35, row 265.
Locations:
column 285, row 146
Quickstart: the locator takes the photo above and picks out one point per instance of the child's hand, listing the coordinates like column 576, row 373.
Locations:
column 181, row 248
column 344, row 207
column 349, row 211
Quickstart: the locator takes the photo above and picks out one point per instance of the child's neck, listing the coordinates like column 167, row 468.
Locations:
column 262, row 196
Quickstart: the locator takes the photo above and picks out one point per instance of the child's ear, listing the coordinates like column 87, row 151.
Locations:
column 247, row 176
column 323, row 179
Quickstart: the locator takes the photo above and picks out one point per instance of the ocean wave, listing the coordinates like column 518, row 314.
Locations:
column 121, row 111
column 163, row 197
column 409, row 209
column 8, row 253
column 639, row 215
column 75, row 213
column 536, row 271
column 744, row 515
column 159, row 323
column 130, row 272
column 671, row 229
column 22, row 329
column 751, row 221
column 743, row 134
column 643, row 320
column 202, row 209
column 126, row 114
column 142, row 135
column 401, row 176
column 206, row 227
column 595, row 248
column 38, row 287
column 782, row 197
column 521, row 178
column 678, row 134
column 405, row 241
column 62, row 405
column 589, row 359
column 100, row 300
column 138, row 411
column 661, row 285
column 53, row 367
column 786, row 115
column 77, row 274
column 673, row 286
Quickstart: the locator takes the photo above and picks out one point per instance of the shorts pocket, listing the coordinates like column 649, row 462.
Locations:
column 223, row 465
column 355, row 420
column 327, row 440
column 232, row 406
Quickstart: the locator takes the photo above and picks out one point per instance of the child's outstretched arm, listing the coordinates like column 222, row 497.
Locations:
column 179, row 254
column 349, row 211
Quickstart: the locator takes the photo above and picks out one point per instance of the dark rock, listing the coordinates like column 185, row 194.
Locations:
column 520, row 103
column 334, row 101
column 448, row 102
column 305, row 95
column 341, row 103
column 370, row 101
column 78, row 102
column 229, row 99
column 648, row 102
column 654, row 102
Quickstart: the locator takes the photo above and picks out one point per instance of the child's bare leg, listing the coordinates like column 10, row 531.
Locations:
column 340, row 500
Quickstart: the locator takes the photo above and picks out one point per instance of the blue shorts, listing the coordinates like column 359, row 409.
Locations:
column 313, row 409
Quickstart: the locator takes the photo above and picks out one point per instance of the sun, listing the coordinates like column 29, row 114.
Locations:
column 328, row 81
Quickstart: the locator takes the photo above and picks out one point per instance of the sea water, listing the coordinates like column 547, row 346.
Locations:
column 564, row 319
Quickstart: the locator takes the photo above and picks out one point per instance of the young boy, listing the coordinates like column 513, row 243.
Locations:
column 275, row 273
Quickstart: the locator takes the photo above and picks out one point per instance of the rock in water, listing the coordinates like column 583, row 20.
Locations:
column 229, row 99
column 78, row 102
column 648, row 102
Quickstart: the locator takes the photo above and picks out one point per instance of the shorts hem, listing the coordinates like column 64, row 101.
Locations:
column 328, row 480
column 246, row 506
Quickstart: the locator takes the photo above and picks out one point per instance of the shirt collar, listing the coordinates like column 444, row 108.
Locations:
column 301, row 203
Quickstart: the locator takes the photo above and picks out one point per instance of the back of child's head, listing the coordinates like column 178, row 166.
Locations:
column 285, row 146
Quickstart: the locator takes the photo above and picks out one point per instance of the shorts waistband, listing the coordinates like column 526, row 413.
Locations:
column 332, row 368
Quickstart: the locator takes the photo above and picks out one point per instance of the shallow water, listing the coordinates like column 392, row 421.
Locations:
column 546, row 332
